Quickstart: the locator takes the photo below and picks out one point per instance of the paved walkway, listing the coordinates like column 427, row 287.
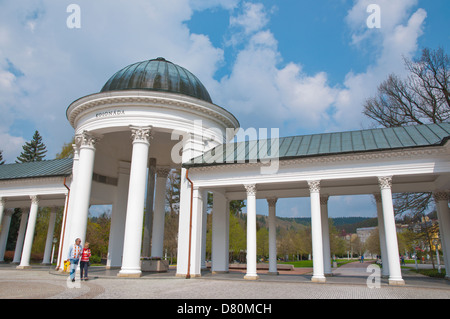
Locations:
column 348, row 282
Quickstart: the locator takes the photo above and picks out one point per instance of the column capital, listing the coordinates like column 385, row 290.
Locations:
column 324, row 199
column 314, row 186
column 141, row 134
column 385, row 182
column 86, row 140
column 2, row 201
column 441, row 196
column 162, row 172
column 250, row 189
column 34, row 199
column 272, row 201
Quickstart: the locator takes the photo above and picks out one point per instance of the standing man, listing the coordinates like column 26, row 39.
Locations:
column 75, row 252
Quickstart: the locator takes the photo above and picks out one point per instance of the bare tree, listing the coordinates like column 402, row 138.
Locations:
column 421, row 98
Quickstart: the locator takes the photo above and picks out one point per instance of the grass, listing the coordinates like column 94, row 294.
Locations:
column 309, row 263
column 430, row 272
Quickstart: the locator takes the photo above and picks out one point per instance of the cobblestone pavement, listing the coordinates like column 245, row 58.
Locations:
column 348, row 282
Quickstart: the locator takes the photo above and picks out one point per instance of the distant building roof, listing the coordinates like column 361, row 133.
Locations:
column 379, row 139
column 50, row 168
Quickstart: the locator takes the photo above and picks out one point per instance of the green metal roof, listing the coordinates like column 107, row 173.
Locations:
column 327, row 144
column 50, row 168
column 157, row 75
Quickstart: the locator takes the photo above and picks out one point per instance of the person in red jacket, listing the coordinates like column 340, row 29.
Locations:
column 84, row 262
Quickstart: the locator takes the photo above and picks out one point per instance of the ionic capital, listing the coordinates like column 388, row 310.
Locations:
column 34, row 199
column 385, row 182
column 162, row 172
column 141, row 133
column 251, row 189
column 314, row 186
column 272, row 201
column 86, row 139
column 324, row 199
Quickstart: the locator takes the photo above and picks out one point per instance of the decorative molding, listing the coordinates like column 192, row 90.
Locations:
column 2, row 201
column 441, row 196
column 102, row 101
column 314, row 186
column 342, row 158
column 272, row 201
column 385, row 182
column 250, row 189
column 86, row 139
column 141, row 133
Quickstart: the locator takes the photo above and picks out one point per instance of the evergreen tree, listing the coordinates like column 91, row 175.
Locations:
column 33, row 151
column 1, row 158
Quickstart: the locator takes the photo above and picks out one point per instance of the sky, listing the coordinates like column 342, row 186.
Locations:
column 301, row 66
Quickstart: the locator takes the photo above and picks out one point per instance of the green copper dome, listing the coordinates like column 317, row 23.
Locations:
column 157, row 75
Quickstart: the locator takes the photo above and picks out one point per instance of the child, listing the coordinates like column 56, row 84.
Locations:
column 84, row 262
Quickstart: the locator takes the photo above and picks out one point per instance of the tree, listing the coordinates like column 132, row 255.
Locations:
column 33, row 151
column 66, row 151
column 1, row 158
column 422, row 97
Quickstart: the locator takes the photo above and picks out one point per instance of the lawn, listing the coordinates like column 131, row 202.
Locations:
column 309, row 263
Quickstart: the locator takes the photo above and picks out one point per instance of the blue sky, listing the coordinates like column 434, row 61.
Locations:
column 302, row 66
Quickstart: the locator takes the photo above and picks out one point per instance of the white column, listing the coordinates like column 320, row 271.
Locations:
column 118, row 215
column 29, row 235
column 395, row 273
column 196, row 236
column 251, row 232
column 316, row 232
column 21, row 235
column 191, row 148
column 49, row 241
column 204, row 227
column 2, row 209
column 6, row 222
column 325, row 235
column 441, row 200
column 65, row 242
column 159, row 212
column 382, row 235
column 131, row 266
column 148, row 219
column 79, row 215
column 220, row 234
column 272, row 202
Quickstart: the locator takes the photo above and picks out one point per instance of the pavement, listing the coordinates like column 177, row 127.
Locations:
column 350, row 281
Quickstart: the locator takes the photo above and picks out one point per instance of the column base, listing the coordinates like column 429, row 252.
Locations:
column 23, row 267
column 273, row 273
column 191, row 275
column 320, row 279
column 129, row 273
column 251, row 277
column 219, row 272
column 396, row 282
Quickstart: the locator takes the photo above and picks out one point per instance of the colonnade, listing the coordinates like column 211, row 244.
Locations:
column 320, row 232
column 24, row 242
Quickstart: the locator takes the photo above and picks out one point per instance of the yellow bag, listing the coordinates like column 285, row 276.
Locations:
column 66, row 265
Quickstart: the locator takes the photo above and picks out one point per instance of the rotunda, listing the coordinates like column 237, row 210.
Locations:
column 148, row 118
